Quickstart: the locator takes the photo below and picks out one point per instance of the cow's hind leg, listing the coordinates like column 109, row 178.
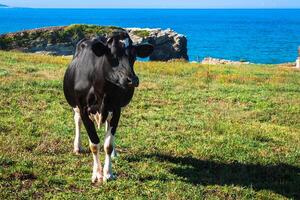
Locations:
column 77, row 140
column 107, row 130
column 111, row 126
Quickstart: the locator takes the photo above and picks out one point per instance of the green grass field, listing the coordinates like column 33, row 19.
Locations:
column 191, row 132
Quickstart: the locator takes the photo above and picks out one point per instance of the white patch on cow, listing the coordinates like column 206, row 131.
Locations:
column 97, row 168
column 109, row 117
column 78, row 122
column 125, row 42
column 96, row 118
column 108, row 147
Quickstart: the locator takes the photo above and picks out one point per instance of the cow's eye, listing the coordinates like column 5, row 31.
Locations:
column 114, row 62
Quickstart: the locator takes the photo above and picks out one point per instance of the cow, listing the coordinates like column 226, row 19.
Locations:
column 99, row 81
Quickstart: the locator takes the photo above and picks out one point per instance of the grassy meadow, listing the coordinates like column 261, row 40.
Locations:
column 191, row 132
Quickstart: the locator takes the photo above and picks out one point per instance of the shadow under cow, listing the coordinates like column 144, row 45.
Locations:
column 281, row 178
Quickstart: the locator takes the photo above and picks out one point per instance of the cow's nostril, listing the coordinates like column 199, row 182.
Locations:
column 129, row 80
column 133, row 82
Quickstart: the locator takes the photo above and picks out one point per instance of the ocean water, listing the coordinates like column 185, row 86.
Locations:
column 255, row 35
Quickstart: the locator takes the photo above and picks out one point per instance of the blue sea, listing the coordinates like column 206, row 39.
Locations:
column 255, row 35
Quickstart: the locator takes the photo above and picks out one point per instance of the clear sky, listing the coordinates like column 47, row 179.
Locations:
column 153, row 3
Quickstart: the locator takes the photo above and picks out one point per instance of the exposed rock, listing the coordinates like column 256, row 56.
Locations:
column 168, row 44
column 298, row 63
column 298, row 59
column 46, row 53
column 216, row 61
column 62, row 40
column 289, row 64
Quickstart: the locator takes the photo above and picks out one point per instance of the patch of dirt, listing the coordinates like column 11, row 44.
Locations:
column 51, row 146
column 23, row 176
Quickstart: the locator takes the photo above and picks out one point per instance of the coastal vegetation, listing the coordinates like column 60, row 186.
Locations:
column 193, row 131
column 53, row 35
column 141, row 33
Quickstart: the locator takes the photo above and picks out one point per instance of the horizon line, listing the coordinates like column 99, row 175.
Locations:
column 163, row 8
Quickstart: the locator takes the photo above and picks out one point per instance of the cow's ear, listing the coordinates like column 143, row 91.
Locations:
column 99, row 48
column 144, row 50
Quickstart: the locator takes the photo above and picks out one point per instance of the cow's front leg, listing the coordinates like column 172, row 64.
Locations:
column 77, row 140
column 111, row 126
column 97, row 168
column 94, row 146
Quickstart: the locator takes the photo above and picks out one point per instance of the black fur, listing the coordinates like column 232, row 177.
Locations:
column 101, row 78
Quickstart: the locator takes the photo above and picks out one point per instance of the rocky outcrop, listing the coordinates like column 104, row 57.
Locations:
column 298, row 63
column 216, row 61
column 298, row 59
column 168, row 44
column 62, row 40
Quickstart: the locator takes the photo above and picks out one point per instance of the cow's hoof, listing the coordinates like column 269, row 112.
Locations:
column 108, row 177
column 97, row 179
column 77, row 151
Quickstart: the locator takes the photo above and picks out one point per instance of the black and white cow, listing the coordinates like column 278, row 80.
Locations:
column 100, row 81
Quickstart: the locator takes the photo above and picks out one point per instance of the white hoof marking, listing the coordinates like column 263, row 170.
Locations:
column 97, row 177
column 108, row 177
column 77, row 151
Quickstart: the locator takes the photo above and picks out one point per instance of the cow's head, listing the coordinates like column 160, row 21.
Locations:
column 120, row 54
